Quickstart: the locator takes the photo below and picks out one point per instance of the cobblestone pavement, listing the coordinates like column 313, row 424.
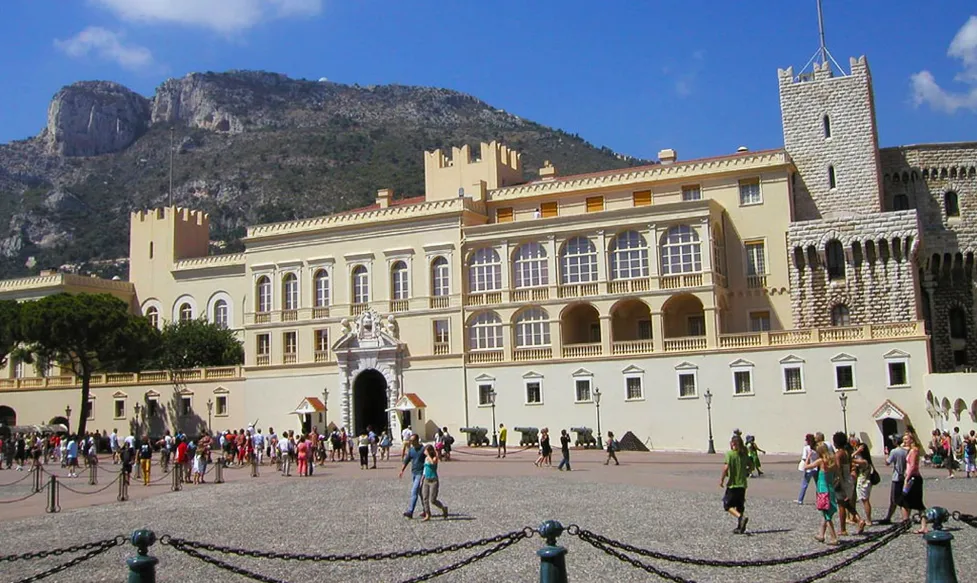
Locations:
column 663, row 502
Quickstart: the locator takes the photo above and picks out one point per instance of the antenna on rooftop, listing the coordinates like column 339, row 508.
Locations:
column 823, row 55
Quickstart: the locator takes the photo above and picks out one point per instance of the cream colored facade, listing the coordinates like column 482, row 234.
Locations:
column 652, row 286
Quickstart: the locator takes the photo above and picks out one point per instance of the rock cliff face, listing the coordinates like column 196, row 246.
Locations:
column 95, row 117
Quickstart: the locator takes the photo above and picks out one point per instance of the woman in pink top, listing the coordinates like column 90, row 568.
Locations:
column 303, row 456
column 912, row 489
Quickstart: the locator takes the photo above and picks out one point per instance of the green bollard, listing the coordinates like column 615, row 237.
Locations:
column 939, row 555
column 142, row 567
column 552, row 558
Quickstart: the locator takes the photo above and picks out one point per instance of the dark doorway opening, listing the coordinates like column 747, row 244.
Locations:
column 306, row 423
column 8, row 416
column 890, row 433
column 370, row 402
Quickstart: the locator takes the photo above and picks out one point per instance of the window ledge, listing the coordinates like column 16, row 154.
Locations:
column 899, row 387
column 587, row 402
column 485, row 405
column 750, row 394
column 634, row 400
column 119, row 418
column 800, row 392
column 845, row 389
column 688, row 397
column 533, row 404
column 751, row 203
column 219, row 415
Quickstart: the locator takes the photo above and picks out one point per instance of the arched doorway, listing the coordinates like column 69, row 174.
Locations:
column 370, row 402
column 8, row 416
column 59, row 421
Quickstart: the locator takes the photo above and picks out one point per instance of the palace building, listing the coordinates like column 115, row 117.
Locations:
column 823, row 285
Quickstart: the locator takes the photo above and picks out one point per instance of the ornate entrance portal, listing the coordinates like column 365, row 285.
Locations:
column 370, row 402
column 369, row 355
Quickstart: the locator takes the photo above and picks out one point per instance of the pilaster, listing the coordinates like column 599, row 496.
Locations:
column 710, row 315
column 658, row 330
column 605, row 334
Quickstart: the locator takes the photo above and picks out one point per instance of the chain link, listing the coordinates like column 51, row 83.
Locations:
column 892, row 535
column 589, row 536
column 15, row 482
column 514, row 537
column 101, row 547
column 968, row 519
column 635, row 562
column 82, row 492
column 518, row 451
column 219, row 563
column 348, row 557
column 33, row 493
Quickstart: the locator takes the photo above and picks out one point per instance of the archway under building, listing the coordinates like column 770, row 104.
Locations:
column 8, row 417
column 580, row 324
column 370, row 402
column 630, row 320
column 683, row 315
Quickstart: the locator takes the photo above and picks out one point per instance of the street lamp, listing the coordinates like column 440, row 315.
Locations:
column 210, row 410
column 138, row 407
column 708, row 396
column 844, row 410
column 600, row 441
column 325, row 405
column 495, row 437
column 67, row 414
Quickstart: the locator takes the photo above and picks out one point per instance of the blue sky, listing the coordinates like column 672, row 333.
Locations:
column 637, row 76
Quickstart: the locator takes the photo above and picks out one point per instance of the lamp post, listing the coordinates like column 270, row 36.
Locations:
column 137, row 408
column 708, row 397
column 67, row 415
column 210, row 410
column 844, row 410
column 325, row 406
column 600, row 440
column 495, row 436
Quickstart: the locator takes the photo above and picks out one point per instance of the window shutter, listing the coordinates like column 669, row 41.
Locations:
column 642, row 198
column 503, row 215
column 595, row 204
column 549, row 210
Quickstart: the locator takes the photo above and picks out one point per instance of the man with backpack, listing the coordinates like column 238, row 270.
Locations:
column 612, row 446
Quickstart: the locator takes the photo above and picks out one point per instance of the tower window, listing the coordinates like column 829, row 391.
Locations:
column 835, row 254
column 900, row 202
column 840, row 315
column 150, row 249
column 826, row 122
column 951, row 204
column 831, row 177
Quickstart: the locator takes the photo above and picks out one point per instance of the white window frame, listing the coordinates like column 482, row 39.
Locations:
column 152, row 406
column 759, row 191
column 217, row 406
column 115, row 408
column 360, row 284
column 630, row 261
column 291, row 290
column 583, row 375
column 91, row 408
column 843, row 360
column 290, row 337
column 400, row 280
column 257, row 344
column 186, row 405
column 152, row 314
column 630, row 373
column 751, row 262
column 680, row 250
column 750, row 315
column 530, row 266
column 528, row 379
column 321, row 287
column 447, row 330
column 686, row 368
column 321, row 338
column 485, row 334
column 691, row 192
column 793, row 363
column 440, row 276
column 484, row 381
column 580, row 265
column 741, row 366
column 532, row 328
column 221, row 313
column 264, row 292
column 189, row 312
column 896, row 356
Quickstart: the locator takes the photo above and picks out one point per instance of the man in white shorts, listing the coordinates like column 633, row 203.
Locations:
column 114, row 446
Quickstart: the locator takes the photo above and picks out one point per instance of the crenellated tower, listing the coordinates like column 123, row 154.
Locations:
column 158, row 238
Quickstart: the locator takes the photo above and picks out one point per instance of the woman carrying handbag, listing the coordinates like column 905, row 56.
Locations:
column 826, row 505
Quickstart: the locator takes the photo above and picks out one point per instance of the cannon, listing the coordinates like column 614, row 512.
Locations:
column 585, row 437
column 477, row 436
column 530, row 435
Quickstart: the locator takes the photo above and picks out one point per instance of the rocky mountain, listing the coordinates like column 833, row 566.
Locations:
column 246, row 146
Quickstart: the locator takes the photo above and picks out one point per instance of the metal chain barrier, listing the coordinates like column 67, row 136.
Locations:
column 62, row 551
column 518, row 451
column 14, row 483
column 83, row 493
column 636, row 563
column 501, row 546
column 968, row 519
column 94, row 549
column 21, row 499
column 590, row 537
column 895, row 533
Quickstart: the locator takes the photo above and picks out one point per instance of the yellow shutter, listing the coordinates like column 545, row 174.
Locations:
column 503, row 215
column 548, row 210
column 595, row 204
column 642, row 198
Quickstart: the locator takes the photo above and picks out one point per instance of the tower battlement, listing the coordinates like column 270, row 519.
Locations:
column 182, row 215
column 494, row 163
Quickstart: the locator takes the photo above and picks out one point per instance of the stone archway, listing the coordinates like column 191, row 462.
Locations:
column 371, row 399
column 8, row 416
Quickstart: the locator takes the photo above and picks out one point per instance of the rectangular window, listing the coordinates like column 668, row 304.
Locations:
column 185, row 406
column 792, row 379
column 322, row 340
column 221, row 405
column 897, row 374
column 290, row 342
column 534, row 392
column 844, row 376
column 120, row 409
column 595, row 204
column 686, row 385
column 750, row 191
column 594, row 333
column 756, row 261
column 691, row 192
column 642, row 198
column 633, row 389
column 153, row 407
column 441, row 332
column 760, row 321
column 484, row 394
column 89, row 410
column 548, row 210
column 697, row 325
column 644, row 329
column 504, row 215
column 264, row 344
column 742, row 382
column 583, row 389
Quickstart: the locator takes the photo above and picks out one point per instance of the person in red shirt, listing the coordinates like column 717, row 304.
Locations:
column 181, row 454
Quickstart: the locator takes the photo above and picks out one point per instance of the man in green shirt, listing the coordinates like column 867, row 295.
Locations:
column 737, row 468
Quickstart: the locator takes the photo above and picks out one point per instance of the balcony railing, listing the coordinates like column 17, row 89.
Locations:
column 263, row 360
column 756, row 281
column 440, row 302
column 290, row 358
column 153, row 377
column 625, row 286
column 290, row 315
column 484, row 298
column 628, row 347
column 535, row 353
column 262, row 317
column 485, row 356
column 399, row 305
column 357, row 309
column 685, row 344
column 680, row 281
column 321, row 356
column 441, row 348
column 320, row 312
column 581, row 350
column 577, row 290
column 531, row 294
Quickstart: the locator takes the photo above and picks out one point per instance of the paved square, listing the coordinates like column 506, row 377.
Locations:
column 660, row 501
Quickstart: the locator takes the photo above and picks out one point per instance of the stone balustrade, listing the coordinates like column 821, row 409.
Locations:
column 153, row 377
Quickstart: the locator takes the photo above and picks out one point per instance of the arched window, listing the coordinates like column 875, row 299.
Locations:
column 529, row 266
column 835, row 255
column 152, row 314
column 629, row 256
column 578, row 261
column 320, row 281
column 440, row 277
column 826, row 122
column 290, row 292
column 832, row 183
column 958, row 323
column 263, row 295
column 399, row 277
column 220, row 314
column 951, row 205
column 485, row 331
column 186, row 312
column 361, row 285
column 840, row 315
column 680, row 251
column 532, row 328
column 484, row 270
column 900, row 202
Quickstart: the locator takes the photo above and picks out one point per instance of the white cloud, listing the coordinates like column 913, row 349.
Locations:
column 224, row 16
column 927, row 90
column 107, row 45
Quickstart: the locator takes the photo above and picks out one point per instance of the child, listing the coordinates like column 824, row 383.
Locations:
column 752, row 448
